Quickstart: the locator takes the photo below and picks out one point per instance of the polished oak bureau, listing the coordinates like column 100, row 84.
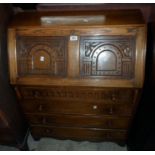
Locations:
column 78, row 75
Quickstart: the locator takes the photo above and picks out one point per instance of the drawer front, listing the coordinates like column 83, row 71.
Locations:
column 79, row 133
column 106, row 95
column 80, row 121
column 75, row 107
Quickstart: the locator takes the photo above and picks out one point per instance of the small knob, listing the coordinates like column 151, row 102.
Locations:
column 109, row 123
column 40, row 107
column 111, row 111
column 36, row 94
column 113, row 97
column 47, row 131
column 95, row 107
column 44, row 120
column 107, row 135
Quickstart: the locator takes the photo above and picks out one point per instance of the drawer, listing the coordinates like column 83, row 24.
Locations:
column 75, row 107
column 78, row 133
column 106, row 95
column 80, row 121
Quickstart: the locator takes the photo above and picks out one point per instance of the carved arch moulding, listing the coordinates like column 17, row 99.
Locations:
column 42, row 55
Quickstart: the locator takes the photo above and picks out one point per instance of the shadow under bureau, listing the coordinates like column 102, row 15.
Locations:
column 78, row 75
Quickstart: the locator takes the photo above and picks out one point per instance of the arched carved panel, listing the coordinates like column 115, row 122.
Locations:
column 106, row 60
column 42, row 55
column 107, row 57
column 40, row 59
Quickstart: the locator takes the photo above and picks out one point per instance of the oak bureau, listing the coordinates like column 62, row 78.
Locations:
column 78, row 75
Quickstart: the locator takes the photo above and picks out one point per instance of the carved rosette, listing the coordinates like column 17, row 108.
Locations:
column 107, row 57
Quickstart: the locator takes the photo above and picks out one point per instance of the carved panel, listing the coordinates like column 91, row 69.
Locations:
column 113, row 95
column 41, row 56
column 107, row 57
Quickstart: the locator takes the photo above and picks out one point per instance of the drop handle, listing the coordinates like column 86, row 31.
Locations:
column 95, row 107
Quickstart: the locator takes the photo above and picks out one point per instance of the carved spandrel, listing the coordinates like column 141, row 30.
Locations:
column 106, row 56
column 42, row 55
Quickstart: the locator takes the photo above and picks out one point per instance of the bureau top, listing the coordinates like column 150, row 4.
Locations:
column 82, row 18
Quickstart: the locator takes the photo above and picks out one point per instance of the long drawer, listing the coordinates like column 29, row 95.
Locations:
column 105, row 95
column 78, row 133
column 106, row 122
column 75, row 107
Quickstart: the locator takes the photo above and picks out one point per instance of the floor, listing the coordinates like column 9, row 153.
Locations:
column 50, row 144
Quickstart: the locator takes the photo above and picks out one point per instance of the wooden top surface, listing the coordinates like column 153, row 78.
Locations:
column 115, row 17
